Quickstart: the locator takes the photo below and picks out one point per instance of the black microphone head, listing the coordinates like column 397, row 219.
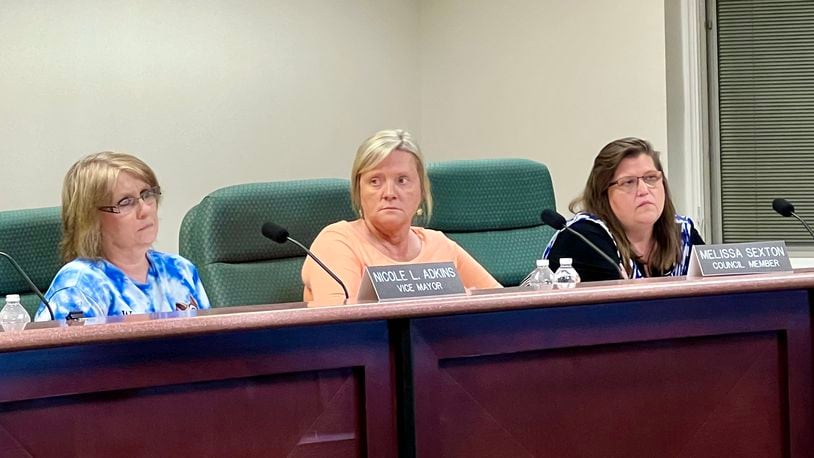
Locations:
column 277, row 233
column 553, row 219
column 783, row 206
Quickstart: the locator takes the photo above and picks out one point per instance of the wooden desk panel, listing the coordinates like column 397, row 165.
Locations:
column 305, row 391
column 691, row 367
column 711, row 376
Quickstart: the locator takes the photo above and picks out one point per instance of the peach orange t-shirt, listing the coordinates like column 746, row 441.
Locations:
column 347, row 253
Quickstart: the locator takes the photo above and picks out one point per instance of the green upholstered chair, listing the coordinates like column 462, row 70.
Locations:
column 238, row 266
column 31, row 237
column 492, row 207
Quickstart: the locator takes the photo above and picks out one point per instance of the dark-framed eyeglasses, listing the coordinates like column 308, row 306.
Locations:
column 629, row 184
column 128, row 204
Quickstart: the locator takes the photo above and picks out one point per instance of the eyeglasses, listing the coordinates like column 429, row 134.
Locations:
column 629, row 184
column 128, row 204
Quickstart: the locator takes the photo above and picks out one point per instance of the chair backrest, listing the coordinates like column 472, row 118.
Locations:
column 31, row 237
column 237, row 264
column 492, row 207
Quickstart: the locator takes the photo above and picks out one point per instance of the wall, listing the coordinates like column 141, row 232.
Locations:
column 675, row 94
column 551, row 80
column 213, row 93
column 209, row 93
column 687, row 110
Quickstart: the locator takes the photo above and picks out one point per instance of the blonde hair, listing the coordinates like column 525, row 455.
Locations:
column 89, row 185
column 376, row 149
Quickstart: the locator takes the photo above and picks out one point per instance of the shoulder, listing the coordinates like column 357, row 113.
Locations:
column 688, row 232
column 338, row 229
column 589, row 225
column 173, row 263
column 79, row 272
column 428, row 233
column 81, row 278
column 685, row 225
column 169, row 258
column 432, row 237
column 338, row 239
column 340, row 232
column 565, row 244
column 681, row 219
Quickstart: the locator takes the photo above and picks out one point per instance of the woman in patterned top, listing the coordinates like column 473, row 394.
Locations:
column 626, row 210
column 109, row 223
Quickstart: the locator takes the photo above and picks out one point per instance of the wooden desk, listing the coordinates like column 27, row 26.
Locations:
column 663, row 367
column 189, row 387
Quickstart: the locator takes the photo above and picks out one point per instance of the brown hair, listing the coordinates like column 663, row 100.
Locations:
column 666, row 250
column 89, row 185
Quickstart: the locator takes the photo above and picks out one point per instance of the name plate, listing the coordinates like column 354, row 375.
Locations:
column 386, row 283
column 739, row 258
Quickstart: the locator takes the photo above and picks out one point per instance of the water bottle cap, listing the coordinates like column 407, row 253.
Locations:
column 565, row 261
column 542, row 263
column 12, row 298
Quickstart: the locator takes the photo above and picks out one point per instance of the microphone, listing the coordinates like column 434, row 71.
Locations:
column 785, row 208
column 557, row 221
column 280, row 235
column 30, row 283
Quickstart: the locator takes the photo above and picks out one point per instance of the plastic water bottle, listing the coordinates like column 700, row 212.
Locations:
column 566, row 276
column 13, row 317
column 542, row 277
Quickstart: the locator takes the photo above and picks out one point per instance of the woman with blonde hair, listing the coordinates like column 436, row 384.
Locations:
column 109, row 223
column 390, row 191
column 627, row 211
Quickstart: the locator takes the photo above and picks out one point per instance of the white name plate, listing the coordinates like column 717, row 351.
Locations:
column 384, row 283
column 739, row 258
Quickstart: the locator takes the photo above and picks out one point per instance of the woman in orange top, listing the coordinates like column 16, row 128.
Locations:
column 389, row 189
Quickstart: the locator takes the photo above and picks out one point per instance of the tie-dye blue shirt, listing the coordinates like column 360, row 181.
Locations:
column 99, row 288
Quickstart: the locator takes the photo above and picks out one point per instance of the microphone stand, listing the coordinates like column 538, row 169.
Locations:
column 30, row 283
column 808, row 228
column 324, row 267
